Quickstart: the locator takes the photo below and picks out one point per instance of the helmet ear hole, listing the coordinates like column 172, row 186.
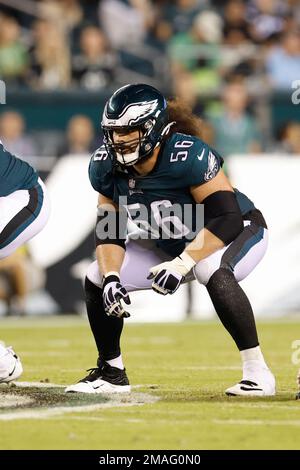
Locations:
column 148, row 125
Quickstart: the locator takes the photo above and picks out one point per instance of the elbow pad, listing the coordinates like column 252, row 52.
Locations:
column 223, row 216
column 111, row 227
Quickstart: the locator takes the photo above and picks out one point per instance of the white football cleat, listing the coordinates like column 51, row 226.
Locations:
column 255, row 385
column 10, row 366
column 103, row 379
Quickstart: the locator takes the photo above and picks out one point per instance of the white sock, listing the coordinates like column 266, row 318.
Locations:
column 253, row 354
column 116, row 362
column 253, row 362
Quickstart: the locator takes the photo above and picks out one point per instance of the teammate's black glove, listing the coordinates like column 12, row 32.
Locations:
column 113, row 293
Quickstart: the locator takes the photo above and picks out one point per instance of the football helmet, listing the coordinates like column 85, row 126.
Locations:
column 141, row 108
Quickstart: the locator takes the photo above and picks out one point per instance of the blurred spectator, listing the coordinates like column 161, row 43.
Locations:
column 290, row 139
column 94, row 67
column 266, row 18
column 13, row 282
column 185, row 89
column 80, row 137
column 12, row 128
column 283, row 62
column 126, row 22
column 50, row 57
column 13, row 54
column 180, row 14
column 208, row 132
column 66, row 14
column 235, row 129
column 235, row 19
column 198, row 50
column 238, row 54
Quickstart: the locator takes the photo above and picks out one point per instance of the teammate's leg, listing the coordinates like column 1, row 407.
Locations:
column 221, row 273
column 10, row 365
column 24, row 213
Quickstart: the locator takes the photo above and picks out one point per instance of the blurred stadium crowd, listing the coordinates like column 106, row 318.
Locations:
column 233, row 61
column 223, row 57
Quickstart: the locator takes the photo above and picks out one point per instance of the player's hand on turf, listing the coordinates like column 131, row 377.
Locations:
column 113, row 293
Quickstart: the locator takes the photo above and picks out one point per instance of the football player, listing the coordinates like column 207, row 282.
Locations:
column 298, row 383
column 152, row 166
column 24, row 211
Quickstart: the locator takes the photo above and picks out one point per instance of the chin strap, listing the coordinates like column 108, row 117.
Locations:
column 120, row 157
column 167, row 128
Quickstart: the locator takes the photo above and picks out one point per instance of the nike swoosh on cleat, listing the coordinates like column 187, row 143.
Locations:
column 11, row 373
column 245, row 389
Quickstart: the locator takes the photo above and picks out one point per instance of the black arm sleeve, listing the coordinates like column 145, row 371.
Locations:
column 111, row 227
column 223, row 216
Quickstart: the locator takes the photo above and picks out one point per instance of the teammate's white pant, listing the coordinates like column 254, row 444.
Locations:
column 10, row 365
column 242, row 255
column 23, row 214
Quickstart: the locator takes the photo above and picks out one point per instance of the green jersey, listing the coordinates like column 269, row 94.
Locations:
column 15, row 174
column 160, row 202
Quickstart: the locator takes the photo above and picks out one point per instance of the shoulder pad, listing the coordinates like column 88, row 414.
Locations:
column 192, row 160
column 100, row 172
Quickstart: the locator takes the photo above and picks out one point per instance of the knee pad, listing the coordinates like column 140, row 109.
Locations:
column 205, row 269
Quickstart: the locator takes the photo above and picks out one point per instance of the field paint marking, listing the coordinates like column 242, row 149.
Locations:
column 210, row 367
column 129, row 420
column 14, row 400
column 151, row 340
column 58, row 343
column 137, row 399
column 257, row 422
column 53, row 385
column 204, row 367
column 30, row 322
column 48, row 354
column 38, row 384
column 44, row 414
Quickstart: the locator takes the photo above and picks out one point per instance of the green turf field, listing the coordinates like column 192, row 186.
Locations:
column 179, row 373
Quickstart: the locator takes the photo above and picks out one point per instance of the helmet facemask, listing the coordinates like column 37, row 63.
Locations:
column 129, row 152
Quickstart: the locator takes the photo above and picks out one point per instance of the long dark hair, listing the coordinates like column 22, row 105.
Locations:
column 186, row 121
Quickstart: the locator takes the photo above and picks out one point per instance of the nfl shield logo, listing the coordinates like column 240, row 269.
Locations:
column 131, row 183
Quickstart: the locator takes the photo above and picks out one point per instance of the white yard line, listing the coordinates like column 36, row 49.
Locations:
column 257, row 422
column 116, row 400
column 38, row 384
column 209, row 367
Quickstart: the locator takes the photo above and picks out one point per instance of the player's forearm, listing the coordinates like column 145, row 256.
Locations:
column 225, row 223
column 110, row 258
column 205, row 244
column 219, row 232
